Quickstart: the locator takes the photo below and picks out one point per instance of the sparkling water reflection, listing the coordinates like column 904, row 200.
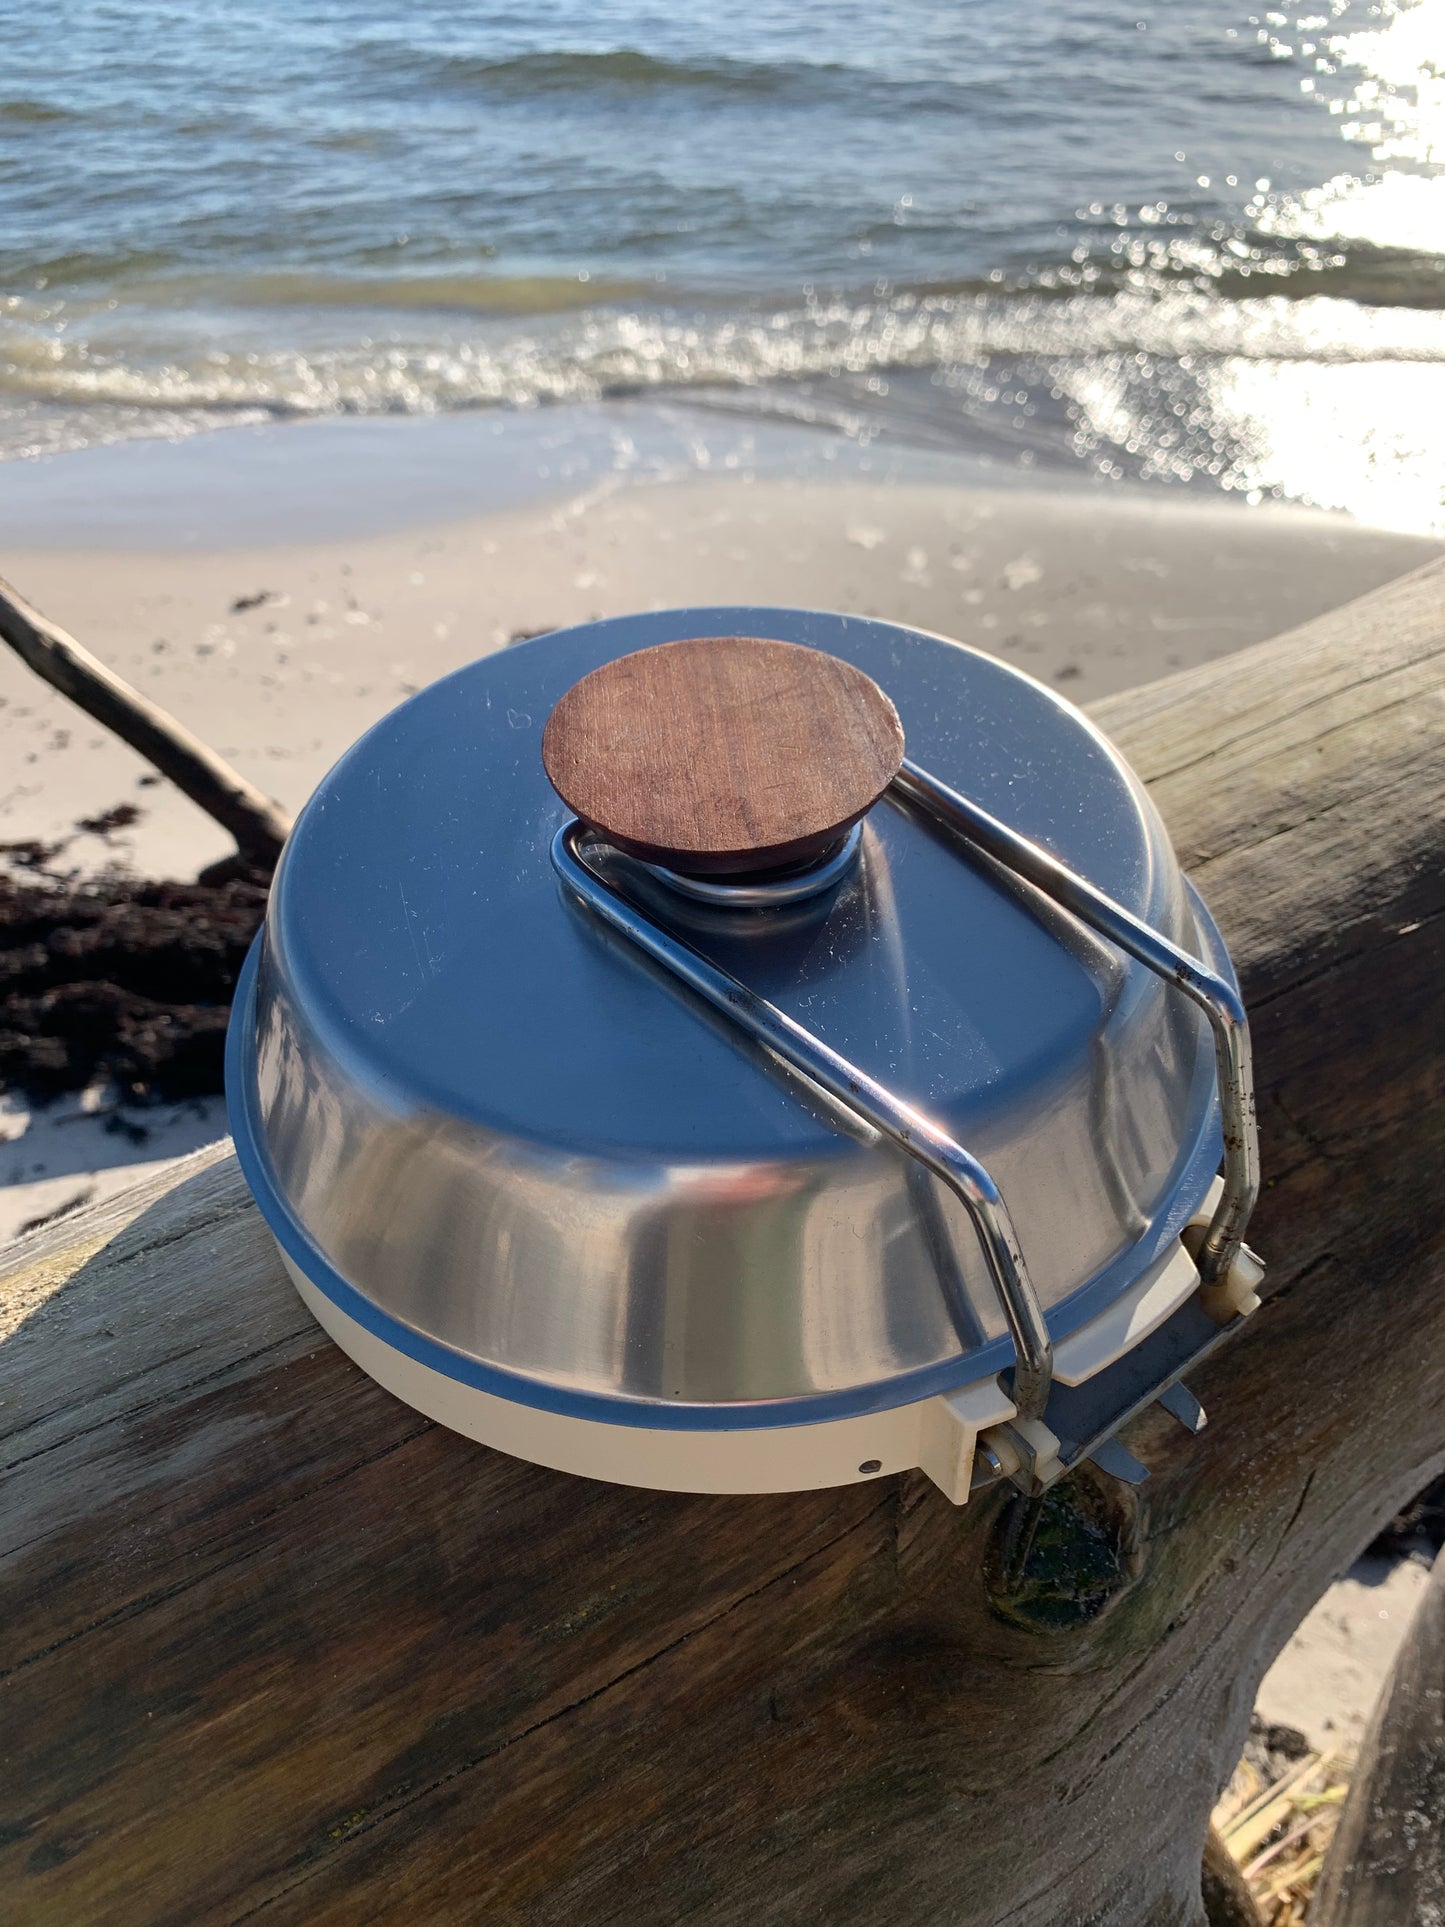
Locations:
column 1199, row 247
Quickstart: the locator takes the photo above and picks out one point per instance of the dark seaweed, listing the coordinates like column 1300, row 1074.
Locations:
column 121, row 978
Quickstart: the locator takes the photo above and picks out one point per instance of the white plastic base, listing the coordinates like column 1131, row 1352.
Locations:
column 937, row 1435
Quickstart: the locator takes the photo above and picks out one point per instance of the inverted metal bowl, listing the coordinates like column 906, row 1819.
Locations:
column 517, row 1152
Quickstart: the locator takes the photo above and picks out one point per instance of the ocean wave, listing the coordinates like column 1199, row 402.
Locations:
column 571, row 70
column 599, row 79
column 1323, row 400
column 604, row 352
column 315, row 289
column 1377, row 243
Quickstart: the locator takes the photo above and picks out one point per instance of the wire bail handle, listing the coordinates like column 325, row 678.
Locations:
column 675, row 744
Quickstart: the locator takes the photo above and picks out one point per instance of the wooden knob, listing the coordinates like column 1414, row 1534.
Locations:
column 725, row 754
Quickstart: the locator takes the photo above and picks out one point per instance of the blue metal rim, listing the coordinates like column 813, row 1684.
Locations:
column 1198, row 1171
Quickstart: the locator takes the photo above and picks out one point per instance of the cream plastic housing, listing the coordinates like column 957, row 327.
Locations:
column 939, row 1436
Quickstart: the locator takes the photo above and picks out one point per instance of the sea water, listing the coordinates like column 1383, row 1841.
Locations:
column 1180, row 243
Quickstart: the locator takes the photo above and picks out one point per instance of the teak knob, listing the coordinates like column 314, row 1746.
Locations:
column 724, row 754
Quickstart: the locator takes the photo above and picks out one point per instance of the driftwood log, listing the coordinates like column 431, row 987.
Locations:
column 273, row 1647
column 1386, row 1863
column 259, row 825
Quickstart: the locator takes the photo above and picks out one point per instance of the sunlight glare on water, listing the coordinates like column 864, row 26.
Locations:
column 1183, row 245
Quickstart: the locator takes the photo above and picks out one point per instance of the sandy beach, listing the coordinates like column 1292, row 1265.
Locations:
column 281, row 652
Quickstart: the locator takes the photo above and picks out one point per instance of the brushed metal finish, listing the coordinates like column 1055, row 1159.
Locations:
column 536, row 1159
column 863, row 1098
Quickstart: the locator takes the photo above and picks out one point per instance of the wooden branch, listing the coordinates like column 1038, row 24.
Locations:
column 272, row 1647
column 259, row 826
column 1386, row 1863
column 1227, row 1899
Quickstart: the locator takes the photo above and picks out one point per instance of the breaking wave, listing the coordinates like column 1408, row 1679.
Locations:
column 608, row 350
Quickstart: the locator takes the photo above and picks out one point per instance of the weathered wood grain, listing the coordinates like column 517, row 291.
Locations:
column 1228, row 1901
column 273, row 1647
column 723, row 754
column 1386, row 1863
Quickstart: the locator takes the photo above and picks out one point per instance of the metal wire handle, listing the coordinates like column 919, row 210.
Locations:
column 1217, row 998
column 908, row 1128
column 964, row 1176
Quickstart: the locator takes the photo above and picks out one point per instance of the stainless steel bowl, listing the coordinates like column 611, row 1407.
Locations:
column 503, row 1142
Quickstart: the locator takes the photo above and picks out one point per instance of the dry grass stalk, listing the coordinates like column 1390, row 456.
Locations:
column 1278, row 1829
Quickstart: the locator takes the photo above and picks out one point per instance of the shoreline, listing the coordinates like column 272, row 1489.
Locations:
column 344, row 477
